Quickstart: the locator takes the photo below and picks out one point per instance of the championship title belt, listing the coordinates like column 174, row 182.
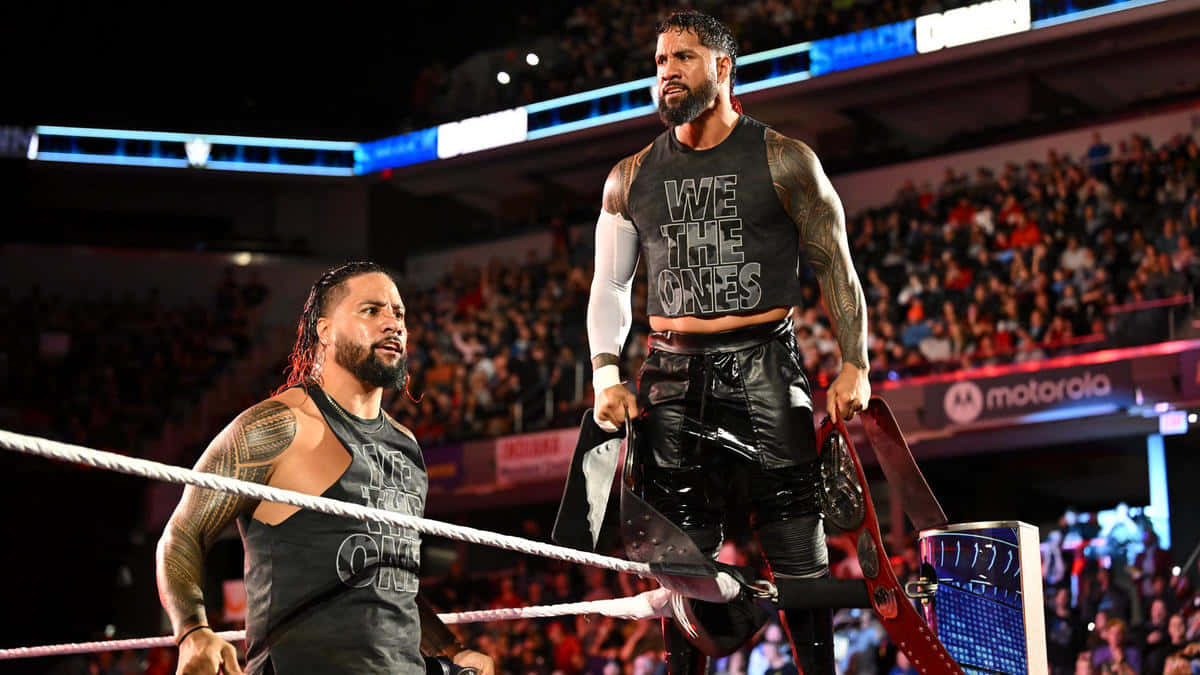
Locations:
column 847, row 504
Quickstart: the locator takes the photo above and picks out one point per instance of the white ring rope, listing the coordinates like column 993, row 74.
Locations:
column 105, row 646
column 641, row 606
column 42, row 447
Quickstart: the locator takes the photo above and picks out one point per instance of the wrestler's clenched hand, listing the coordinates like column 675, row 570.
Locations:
column 849, row 393
column 203, row 653
column 614, row 405
column 481, row 662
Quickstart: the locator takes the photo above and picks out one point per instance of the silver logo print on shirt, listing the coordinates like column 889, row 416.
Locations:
column 706, row 269
column 386, row 555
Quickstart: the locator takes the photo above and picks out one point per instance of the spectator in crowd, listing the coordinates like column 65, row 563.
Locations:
column 1098, row 154
column 769, row 654
column 1152, row 561
column 777, row 662
column 1115, row 656
column 937, row 346
column 1064, row 634
column 1155, row 642
column 1105, row 597
column 1175, row 643
column 119, row 365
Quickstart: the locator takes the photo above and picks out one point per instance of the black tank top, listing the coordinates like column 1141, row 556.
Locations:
column 714, row 235
column 336, row 595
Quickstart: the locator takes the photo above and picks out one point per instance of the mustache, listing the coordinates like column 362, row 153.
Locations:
column 390, row 342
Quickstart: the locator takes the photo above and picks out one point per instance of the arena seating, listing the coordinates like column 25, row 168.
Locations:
column 120, row 367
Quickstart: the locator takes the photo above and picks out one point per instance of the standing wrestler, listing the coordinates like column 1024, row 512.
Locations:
column 720, row 206
column 325, row 594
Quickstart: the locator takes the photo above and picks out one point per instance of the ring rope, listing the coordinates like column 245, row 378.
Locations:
column 105, row 646
column 641, row 606
column 42, row 447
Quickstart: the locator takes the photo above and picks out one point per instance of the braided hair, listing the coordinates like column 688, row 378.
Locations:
column 325, row 293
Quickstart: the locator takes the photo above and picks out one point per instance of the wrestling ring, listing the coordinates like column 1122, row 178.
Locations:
column 847, row 504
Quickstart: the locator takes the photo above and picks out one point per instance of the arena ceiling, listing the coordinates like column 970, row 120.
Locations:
column 348, row 76
column 293, row 71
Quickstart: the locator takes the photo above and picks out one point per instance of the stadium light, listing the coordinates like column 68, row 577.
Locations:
column 503, row 78
column 532, row 59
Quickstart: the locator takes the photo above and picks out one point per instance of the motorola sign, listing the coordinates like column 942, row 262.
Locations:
column 963, row 402
column 968, row 401
column 1050, row 392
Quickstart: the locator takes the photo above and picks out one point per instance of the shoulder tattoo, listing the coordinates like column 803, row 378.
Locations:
column 620, row 179
column 810, row 200
column 247, row 449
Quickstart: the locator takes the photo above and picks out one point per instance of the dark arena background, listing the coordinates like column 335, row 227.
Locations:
column 1021, row 180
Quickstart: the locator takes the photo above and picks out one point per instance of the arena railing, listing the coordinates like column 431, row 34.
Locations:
column 541, row 407
column 1172, row 306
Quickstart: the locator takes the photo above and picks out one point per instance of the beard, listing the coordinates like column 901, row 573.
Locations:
column 365, row 364
column 689, row 108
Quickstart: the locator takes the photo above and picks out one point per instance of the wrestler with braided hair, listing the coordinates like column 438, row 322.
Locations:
column 325, row 594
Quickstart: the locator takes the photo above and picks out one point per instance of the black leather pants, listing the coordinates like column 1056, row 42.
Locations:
column 727, row 421
column 790, row 534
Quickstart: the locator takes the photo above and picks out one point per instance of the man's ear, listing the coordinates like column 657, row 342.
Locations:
column 724, row 68
column 324, row 330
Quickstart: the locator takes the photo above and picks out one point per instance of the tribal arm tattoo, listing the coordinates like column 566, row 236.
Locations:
column 620, row 180
column 247, row 450
column 809, row 198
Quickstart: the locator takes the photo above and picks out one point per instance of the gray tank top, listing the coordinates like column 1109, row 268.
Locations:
column 715, row 238
column 335, row 595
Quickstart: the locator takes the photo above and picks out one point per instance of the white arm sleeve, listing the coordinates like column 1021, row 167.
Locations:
column 610, row 312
